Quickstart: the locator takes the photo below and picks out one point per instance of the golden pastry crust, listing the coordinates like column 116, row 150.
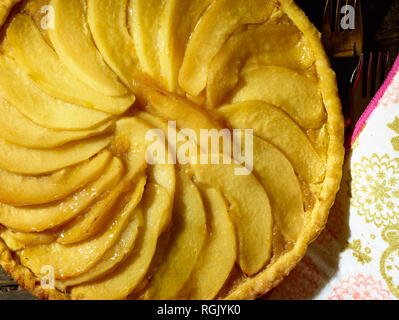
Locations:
column 25, row 278
column 255, row 286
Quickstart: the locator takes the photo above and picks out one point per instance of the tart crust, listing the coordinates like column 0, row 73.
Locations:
column 256, row 286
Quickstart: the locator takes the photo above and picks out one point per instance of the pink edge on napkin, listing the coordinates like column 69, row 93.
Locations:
column 375, row 102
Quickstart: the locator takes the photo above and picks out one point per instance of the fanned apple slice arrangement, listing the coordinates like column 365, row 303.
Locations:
column 78, row 97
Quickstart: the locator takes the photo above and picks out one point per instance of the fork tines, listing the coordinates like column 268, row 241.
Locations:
column 371, row 73
column 378, row 66
column 340, row 42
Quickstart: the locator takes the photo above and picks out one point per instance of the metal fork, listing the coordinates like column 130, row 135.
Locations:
column 341, row 43
column 344, row 48
column 371, row 72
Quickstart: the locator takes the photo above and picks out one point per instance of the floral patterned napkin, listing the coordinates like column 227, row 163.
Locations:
column 357, row 255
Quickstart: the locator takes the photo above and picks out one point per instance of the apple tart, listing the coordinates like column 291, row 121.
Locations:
column 85, row 214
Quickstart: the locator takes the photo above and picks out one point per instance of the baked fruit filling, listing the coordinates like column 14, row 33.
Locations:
column 83, row 83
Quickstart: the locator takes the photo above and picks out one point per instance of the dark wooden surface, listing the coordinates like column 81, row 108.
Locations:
column 9, row 290
column 381, row 32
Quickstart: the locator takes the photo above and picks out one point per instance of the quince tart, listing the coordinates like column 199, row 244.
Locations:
column 86, row 214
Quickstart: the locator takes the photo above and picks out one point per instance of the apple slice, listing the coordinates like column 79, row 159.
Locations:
column 20, row 190
column 249, row 209
column 172, row 107
column 41, row 108
column 99, row 215
column 17, row 240
column 74, row 260
column 107, row 21
column 217, row 24
column 219, row 254
column 162, row 174
column 112, row 257
column 268, row 44
column 153, row 121
column 36, row 58
column 144, row 26
column 187, row 238
column 27, row 161
column 165, row 176
column 278, row 177
column 130, row 140
column 118, row 284
column 19, row 130
column 73, row 43
column 276, row 127
column 177, row 22
column 297, row 95
column 45, row 217
column 131, row 143
column 163, row 125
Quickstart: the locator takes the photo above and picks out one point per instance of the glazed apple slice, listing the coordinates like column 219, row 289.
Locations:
column 249, row 209
column 267, row 44
column 18, row 240
column 297, row 95
column 135, row 131
column 130, row 135
column 219, row 21
column 131, row 143
column 118, row 284
column 22, row 190
column 275, row 126
column 143, row 21
column 164, row 175
column 45, row 217
column 277, row 176
column 40, row 107
column 112, row 257
column 161, row 178
column 27, row 161
column 161, row 174
column 36, row 58
column 169, row 106
column 73, row 43
column 17, row 129
column 187, row 238
column 163, row 125
column 96, row 218
column 76, row 259
column 177, row 22
column 107, row 22
column 219, row 254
